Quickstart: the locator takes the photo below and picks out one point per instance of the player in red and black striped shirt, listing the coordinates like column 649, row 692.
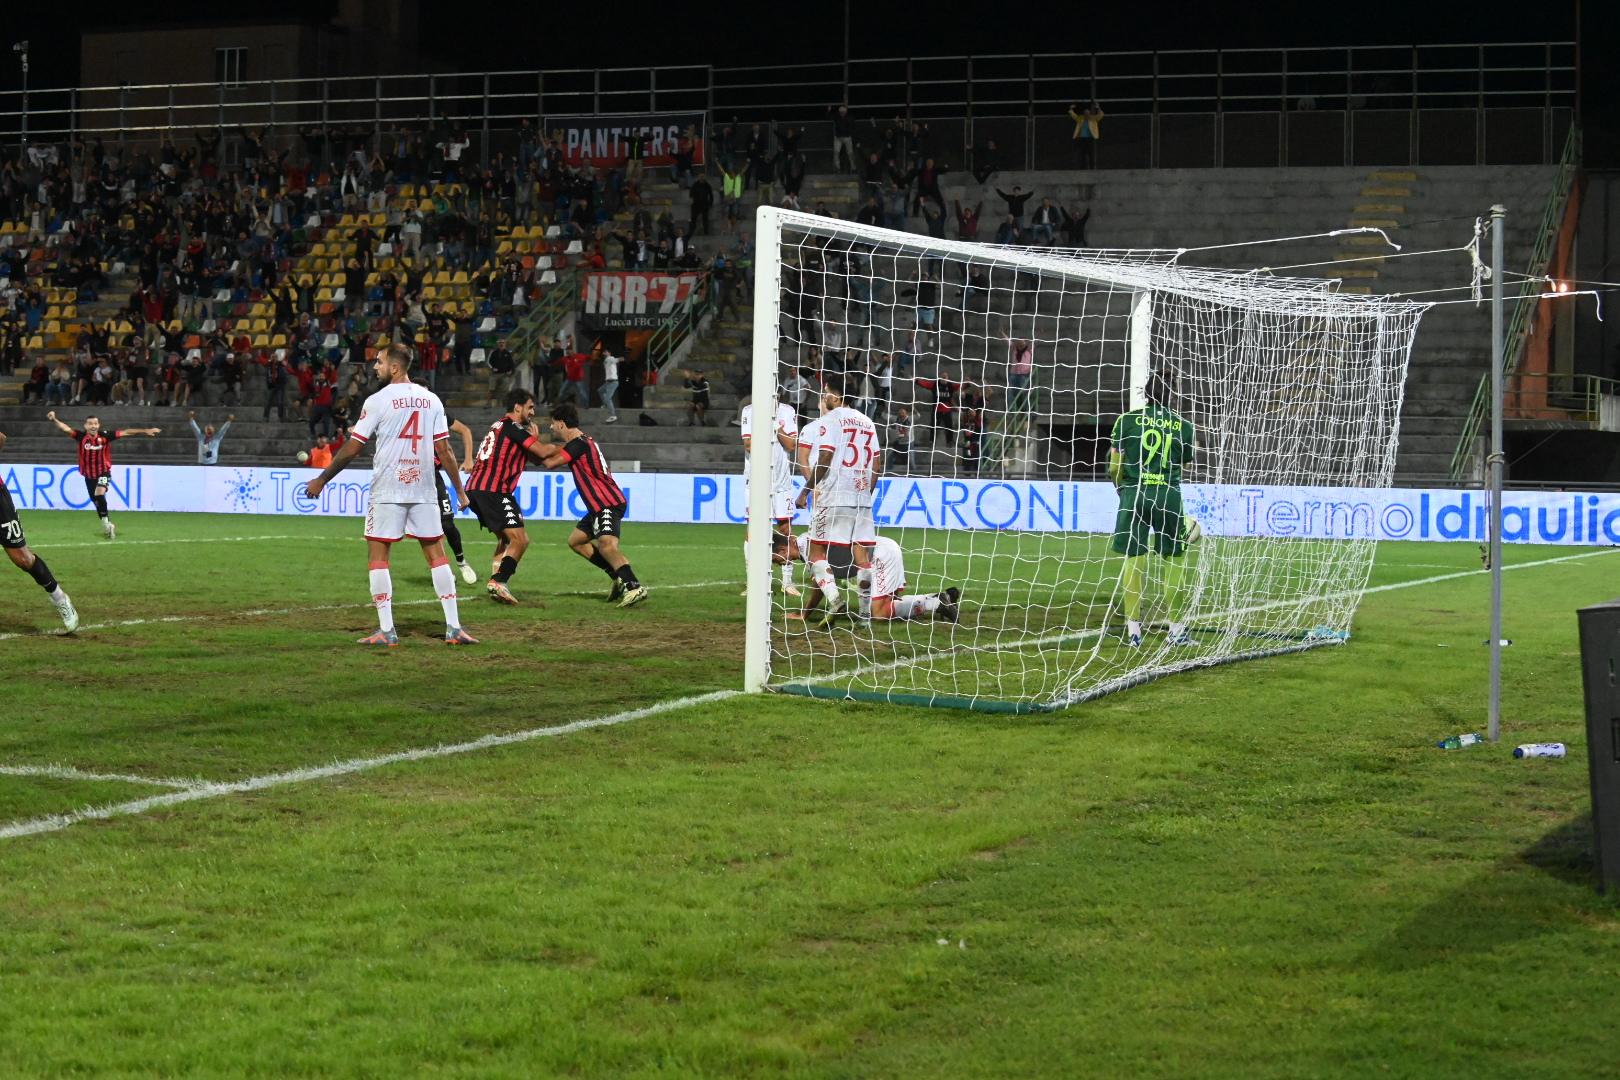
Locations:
column 498, row 464
column 95, row 460
column 596, row 537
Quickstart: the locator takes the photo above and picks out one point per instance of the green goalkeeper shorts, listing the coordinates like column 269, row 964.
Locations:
column 1149, row 516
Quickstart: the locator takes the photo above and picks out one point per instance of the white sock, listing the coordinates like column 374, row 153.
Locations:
column 1177, row 629
column 787, row 573
column 382, row 597
column 821, row 576
column 444, row 583
column 1134, row 626
column 910, row 607
column 863, row 582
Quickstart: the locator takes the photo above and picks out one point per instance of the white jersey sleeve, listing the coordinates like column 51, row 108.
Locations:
column 787, row 423
column 403, row 422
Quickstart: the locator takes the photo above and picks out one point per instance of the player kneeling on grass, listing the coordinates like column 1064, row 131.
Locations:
column 492, row 485
column 1147, row 452
column 596, row 537
column 406, row 426
column 16, row 545
column 883, row 584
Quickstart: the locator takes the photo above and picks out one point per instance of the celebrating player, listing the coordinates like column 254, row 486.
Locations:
column 16, row 545
column 842, row 458
column 1148, row 449
column 785, row 436
column 505, row 448
column 447, row 509
column 596, row 537
column 398, row 420
column 883, row 584
column 95, row 460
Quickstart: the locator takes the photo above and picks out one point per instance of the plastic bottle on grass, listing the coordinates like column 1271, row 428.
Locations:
column 1539, row 749
column 1457, row 742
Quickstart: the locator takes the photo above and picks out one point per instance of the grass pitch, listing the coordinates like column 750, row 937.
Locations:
column 1258, row 870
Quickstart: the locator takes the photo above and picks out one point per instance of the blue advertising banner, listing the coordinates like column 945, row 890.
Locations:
column 1438, row 514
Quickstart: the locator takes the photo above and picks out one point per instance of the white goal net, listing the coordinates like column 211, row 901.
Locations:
column 996, row 378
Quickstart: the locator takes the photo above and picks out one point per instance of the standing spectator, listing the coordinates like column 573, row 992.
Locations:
column 576, row 382
column 899, row 442
column 985, row 162
column 208, row 439
column 1074, row 227
column 1087, row 133
column 1015, row 203
column 502, row 369
column 697, row 408
column 608, row 391
column 927, row 176
column 843, row 139
column 967, row 221
column 635, row 153
column 320, row 408
column 275, row 387
column 702, row 195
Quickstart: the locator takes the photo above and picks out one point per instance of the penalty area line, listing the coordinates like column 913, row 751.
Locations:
column 57, row 822
column 69, row 772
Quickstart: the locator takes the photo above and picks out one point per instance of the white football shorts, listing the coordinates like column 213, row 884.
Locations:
column 842, row 526
column 390, row 522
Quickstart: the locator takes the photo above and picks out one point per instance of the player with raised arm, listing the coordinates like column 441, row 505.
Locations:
column 842, row 457
column 883, row 584
column 405, row 424
column 447, row 509
column 785, row 435
column 596, row 537
column 95, row 461
column 16, row 545
column 506, row 447
column 1147, row 451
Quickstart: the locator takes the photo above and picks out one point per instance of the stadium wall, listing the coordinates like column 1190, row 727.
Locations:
column 1437, row 514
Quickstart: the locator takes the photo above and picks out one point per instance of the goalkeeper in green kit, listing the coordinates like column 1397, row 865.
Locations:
column 1147, row 451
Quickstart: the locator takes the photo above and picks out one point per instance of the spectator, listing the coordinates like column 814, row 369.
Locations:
column 323, row 393
column 697, row 407
column 576, row 377
column 39, row 379
column 899, row 453
column 60, row 387
column 843, row 145
column 502, row 369
column 702, row 196
column 607, row 392
column 1015, row 203
column 1047, row 220
column 1008, row 232
column 870, row 212
column 1074, row 227
column 275, row 387
column 967, row 221
column 208, row 439
column 927, row 177
column 985, row 162
column 1087, row 134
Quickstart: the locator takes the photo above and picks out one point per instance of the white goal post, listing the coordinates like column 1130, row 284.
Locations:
column 1026, row 585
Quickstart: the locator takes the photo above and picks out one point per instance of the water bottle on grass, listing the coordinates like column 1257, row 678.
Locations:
column 1457, row 742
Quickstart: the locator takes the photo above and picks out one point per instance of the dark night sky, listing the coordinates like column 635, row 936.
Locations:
column 576, row 35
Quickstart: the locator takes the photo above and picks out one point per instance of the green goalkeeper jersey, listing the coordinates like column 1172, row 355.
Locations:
column 1153, row 444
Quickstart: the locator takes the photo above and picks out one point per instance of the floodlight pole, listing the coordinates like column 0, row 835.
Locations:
column 1495, row 462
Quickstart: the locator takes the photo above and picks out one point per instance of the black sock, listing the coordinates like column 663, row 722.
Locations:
column 603, row 565
column 508, row 568
column 101, row 504
column 627, row 576
column 453, row 534
column 42, row 574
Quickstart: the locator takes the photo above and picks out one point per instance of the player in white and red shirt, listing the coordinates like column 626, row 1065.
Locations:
column 405, row 425
column 785, row 439
column 842, row 457
column 883, row 584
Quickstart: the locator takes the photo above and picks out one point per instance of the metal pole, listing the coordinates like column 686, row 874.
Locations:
column 23, row 48
column 1495, row 463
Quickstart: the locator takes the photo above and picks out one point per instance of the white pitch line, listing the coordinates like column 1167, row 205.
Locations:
column 56, row 822
column 68, row 772
column 113, row 545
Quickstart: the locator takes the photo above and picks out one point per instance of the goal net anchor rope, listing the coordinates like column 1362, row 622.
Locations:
column 1287, row 383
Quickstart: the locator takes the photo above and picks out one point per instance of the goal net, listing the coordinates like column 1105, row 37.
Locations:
column 996, row 379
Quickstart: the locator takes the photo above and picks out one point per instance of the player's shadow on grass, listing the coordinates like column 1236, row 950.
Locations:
column 1501, row 905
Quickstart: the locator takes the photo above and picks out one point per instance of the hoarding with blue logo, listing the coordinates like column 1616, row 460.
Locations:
column 1538, row 517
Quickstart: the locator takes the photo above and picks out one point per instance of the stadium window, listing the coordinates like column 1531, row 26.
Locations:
column 230, row 66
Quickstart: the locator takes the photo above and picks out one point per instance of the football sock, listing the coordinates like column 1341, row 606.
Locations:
column 1175, row 593
column 508, row 568
column 626, row 575
column 42, row 574
column 821, row 576
column 787, row 573
column 453, row 535
column 382, row 595
column 909, row 607
column 1131, row 582
column 444, row 583
column 603, row 565
column 101, row 504
column 863, row 582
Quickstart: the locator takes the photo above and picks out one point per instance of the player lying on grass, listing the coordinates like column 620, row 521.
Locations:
column 95, row 460
column 16, row 545
column 882, row 585
column 596, row 537
column 397, row 420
